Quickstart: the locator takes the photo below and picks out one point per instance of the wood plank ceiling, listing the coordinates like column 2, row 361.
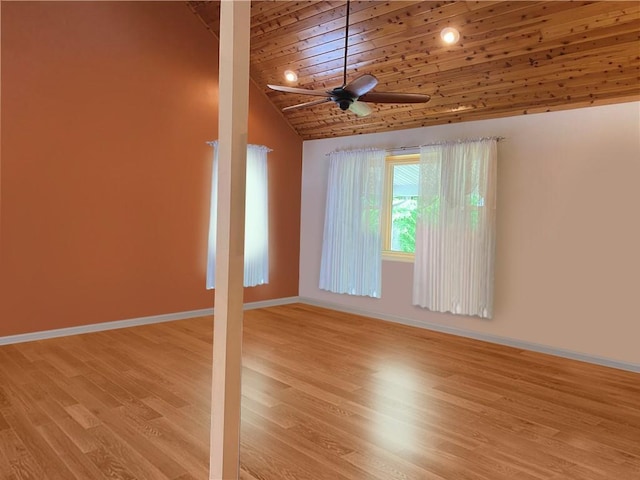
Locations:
column 513, row 57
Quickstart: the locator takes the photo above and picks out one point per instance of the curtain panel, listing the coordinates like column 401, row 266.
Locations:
column 352, row 245
column 256, row 225
column 455, row 231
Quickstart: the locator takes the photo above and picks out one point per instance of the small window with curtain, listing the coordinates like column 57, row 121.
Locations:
column 256, row 237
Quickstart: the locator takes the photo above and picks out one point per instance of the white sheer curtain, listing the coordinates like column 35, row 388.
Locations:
column 351, row 247
column 256, row 225
column 455, row 232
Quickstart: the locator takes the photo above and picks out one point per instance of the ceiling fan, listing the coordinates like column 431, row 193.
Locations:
column 355, row 95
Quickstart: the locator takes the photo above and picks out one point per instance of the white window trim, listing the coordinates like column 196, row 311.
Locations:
column 387, row 253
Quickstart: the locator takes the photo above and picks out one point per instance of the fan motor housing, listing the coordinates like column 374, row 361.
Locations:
column 343, row 98
column 344, row 103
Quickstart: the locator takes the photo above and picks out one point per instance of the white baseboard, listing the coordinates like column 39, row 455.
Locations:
column 133, row 322
column 168, row 317
column 271, row 303
column 509, row 342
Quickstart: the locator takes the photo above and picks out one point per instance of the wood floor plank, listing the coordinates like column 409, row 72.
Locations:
column 3, row 423
column 131, row 432
column 73, row 458
column 118, row 455
column 45, row 458
column 109, row 466
column 266, row 454
column 59, row 416
column 326, row 396
column 14, row 458
column 84, row 417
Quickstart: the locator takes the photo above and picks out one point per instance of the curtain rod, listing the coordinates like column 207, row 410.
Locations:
column 417, row 147
column 213, row 143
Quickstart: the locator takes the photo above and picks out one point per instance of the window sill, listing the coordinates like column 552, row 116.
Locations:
column 397, row 256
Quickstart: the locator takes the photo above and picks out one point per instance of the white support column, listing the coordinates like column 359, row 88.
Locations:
column 233, row 103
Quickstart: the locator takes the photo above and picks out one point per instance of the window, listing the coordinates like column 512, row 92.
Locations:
column 256, row 237
column 400, row 207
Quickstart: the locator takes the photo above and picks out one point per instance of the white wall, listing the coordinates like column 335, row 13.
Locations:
column 568, row 240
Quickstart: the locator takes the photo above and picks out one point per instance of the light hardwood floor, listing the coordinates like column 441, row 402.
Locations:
column 326, row 396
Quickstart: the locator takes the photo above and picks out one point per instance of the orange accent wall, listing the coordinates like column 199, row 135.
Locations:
column 106, row 108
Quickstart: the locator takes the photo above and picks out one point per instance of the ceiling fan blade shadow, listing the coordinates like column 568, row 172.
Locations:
column 361, row 85
column 300, row 91
column 360, row 109
column 390, row 97
column 306, row 104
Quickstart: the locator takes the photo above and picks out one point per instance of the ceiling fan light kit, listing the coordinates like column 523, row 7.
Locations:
column 352, row 96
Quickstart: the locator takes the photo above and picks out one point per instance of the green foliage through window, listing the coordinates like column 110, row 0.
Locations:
column 403, row 224
column 404, row 205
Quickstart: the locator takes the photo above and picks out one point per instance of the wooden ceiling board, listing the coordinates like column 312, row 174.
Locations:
column 513, row 57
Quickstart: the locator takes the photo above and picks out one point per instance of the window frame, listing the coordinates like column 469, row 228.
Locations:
column 390, row 162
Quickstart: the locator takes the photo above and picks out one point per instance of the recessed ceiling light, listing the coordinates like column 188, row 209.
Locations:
column 459, row 108
column 450, row 35
column 290, row 75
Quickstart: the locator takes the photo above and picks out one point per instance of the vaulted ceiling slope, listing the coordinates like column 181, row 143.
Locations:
column 513, row 57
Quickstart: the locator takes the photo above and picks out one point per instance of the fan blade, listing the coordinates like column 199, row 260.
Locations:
column 361, row 85
column 306, row 104
column 360, row 109
column 300, row 91
column 389, row 97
